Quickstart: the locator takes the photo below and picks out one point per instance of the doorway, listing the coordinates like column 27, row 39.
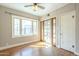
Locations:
column 50, row 31
column 68, row 31
column 47, row 32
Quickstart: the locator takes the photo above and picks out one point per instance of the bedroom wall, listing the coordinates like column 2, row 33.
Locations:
column 57, row 13
column 0, row 25
column 6, row 28
column 77, row 27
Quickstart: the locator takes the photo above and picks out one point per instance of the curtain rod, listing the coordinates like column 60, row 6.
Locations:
column 17, row 14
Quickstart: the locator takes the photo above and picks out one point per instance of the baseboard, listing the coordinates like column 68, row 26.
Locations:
column 10, row 46
column 58, row 46
column 76, row 53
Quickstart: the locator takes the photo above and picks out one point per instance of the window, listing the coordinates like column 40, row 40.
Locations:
column 24, row 26
column 35, row 27
column 16, row 27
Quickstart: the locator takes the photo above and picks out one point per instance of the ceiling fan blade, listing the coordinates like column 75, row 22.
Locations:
column 28, row 5
column 41, row 7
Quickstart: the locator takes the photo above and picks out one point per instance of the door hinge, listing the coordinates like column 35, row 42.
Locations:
column 73, row 16
column 73, row 46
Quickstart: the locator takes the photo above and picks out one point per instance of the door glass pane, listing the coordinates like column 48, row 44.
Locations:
column 47, row 31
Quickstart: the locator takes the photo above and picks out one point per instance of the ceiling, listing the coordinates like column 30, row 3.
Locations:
column 49, row 7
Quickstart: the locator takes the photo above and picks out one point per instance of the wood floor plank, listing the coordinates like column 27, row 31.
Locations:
column 36, row 49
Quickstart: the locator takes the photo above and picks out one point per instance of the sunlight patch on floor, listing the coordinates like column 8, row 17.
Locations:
column 40, row 45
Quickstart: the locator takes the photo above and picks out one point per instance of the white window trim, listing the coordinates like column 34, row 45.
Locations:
column 16, row 36
column 13, row 36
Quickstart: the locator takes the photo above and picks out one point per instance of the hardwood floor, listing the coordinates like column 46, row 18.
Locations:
column 36, row 49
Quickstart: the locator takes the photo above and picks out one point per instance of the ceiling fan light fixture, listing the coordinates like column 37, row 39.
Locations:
column 35, row 7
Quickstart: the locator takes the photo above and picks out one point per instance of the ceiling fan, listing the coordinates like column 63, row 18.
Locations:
column 35, row 6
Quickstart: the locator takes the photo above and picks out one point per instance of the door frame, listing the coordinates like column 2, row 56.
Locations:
column 51, row 21
column 72, row 13
column 50, row 30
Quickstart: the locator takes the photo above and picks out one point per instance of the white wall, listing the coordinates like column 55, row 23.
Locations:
column 77, row 28
column 6, row 28
column 0, row 26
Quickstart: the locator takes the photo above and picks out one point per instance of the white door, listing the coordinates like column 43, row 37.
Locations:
column 68, row 31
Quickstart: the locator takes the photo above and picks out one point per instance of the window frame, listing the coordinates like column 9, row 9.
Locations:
column 22, row 18
column 13, row 35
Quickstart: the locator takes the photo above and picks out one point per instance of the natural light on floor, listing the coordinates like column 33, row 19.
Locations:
column 41, row 44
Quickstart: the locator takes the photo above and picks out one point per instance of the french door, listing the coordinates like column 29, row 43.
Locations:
column 47, row 32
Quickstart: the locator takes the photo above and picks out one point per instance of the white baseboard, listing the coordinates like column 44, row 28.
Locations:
column 58, row 46
column 14, row 45
column 76, row 53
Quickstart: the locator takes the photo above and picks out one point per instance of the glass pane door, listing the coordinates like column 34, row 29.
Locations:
column 47, row 31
